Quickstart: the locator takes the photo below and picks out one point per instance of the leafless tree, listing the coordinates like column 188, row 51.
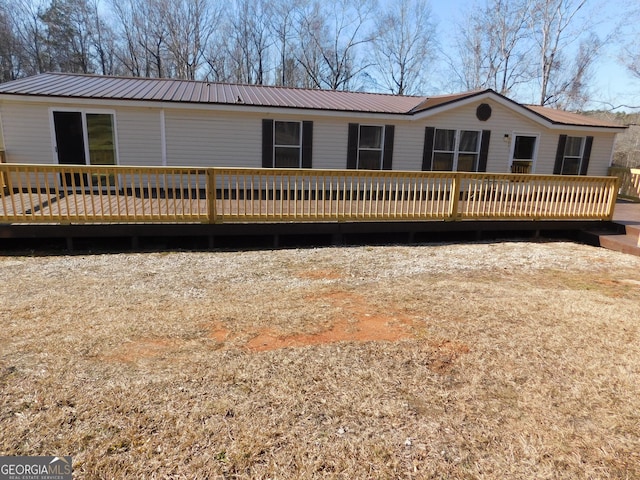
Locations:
column 31, row 35
column 331, row 38
column 492, row 47
column 11, row 57
column 556, row 26
column 281, row 25
column 247, row 42
column 405, row 34
column 190, row 26
column 102, row 38
column 142, row 27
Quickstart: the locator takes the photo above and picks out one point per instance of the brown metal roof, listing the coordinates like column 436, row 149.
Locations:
column 439, row 100
column 187, row 91
column 567, row 118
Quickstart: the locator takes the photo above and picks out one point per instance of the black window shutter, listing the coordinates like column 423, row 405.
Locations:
column 562, row 142
column 427, row 154
column 352, row 146
column 584, row 165
column 387, row 154
column 267, row 143
column 484, row 150
column 307, row 144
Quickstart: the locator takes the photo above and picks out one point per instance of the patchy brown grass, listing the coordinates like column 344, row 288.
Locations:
column 482, row 361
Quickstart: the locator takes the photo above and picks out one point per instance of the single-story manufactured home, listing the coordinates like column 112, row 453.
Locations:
column 56, row 118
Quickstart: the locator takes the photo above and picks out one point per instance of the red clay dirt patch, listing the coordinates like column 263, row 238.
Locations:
column 353, row 320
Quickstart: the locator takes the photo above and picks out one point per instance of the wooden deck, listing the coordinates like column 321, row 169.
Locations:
column 64, row 201
column 62, row 194
column 627, row 239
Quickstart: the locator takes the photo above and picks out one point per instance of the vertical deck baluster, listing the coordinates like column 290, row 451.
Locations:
column 30, row 193
column 47, row 186
column 5, row 174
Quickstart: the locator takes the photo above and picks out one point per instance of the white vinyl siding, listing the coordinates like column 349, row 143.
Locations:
column 139, row 137
column 330, row 143
column 27, row 133
column 210, row 139
column 197, row 137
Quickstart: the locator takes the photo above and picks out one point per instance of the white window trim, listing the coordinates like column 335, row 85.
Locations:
column 535, row 148
column 85, row 133
column 456, row 146
column 299, row 146
column 369, row 149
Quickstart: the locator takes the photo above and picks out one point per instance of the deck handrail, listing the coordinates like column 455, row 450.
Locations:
column 104, row 194
column 629, row 188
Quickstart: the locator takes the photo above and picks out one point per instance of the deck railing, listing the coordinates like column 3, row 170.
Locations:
column 98, row 194
column 635, row 181
column 629, row 187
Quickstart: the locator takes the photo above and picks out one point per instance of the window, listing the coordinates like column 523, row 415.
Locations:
column 370, row 144
column 572, row 157
column 287, row 145
column 370, row 147
column 456, row 150
column 100, row 137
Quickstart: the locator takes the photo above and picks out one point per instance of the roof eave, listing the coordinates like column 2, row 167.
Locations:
column 218, row 106
column 522, row 109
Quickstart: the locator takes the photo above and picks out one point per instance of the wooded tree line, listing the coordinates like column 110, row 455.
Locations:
column 513, row 46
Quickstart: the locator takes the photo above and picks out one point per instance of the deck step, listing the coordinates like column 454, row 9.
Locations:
column 621, row 243
column 633, row 229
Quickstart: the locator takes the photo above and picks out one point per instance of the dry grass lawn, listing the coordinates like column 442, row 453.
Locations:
column 481, row 361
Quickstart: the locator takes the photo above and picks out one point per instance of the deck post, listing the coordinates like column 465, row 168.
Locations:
column 613, row 195
column 211, row 195
column 456, row 183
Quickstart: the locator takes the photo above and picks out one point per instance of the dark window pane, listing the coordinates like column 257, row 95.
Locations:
column 287, row 157
column 287, row 133
column 468, row 141
column 370, row 137
column 524, row 148
column 573, row 147
column 100, row 135
column 445, row 140
column 571, row 166
column 369, row 160
column 443, row 161
column 467, row 162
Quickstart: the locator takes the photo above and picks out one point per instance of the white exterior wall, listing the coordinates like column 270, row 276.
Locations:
column 139, row 136
column 205, row 138
column 27, row 133
column 330, row 139
column 504, row 121
column 201, row 137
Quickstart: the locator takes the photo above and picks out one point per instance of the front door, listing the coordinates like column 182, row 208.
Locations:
column 70, row 144
column 523, row 153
